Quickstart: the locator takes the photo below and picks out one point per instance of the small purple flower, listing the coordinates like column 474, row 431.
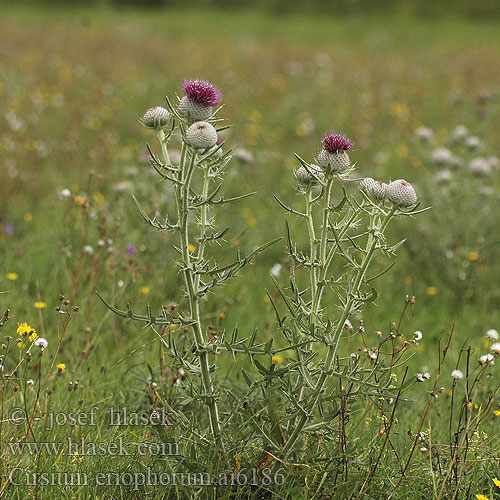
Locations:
column 333, row 142
column 9, row 229
column 131, row 249
column 202, row 91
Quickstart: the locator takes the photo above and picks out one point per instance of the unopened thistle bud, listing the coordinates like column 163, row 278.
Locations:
column 199, row 99
column 333, row 156
column 201, row 135
column 306, row 179
column 156, row 118
column 373, row 188
column 401, row 193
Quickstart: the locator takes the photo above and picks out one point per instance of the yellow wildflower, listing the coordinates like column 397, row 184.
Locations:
column 24, row 329
column 471, row 406
column 40, row 305
column 32, row 336
column 80, row 200
column 21, row 344
column 28, row 217
column 472, row 256
column 482, row 497
column 497, row 482
column 12, row 276
column 144, row 290
column 277, row 359
column 497, row 413
column 191, row 248
column 76, row 458
column 432, row 290
column 61, row 367
column 222, row 316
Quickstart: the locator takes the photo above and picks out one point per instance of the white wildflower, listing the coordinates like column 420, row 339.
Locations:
column 495, row 347
column 442, row 156
column 492, row 334
column 487, row 359
column 424, row 134
column 41, row 343
column 276, row 269
column 457, row 374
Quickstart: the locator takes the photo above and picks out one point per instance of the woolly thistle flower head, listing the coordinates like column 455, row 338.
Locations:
column 201, row 135
column 305, row 178
column 373, row 188
column 401, row 193
column 202, row 92
column 156, row 118
column 334, row 143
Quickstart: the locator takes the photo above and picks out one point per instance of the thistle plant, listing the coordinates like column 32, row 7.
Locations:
column 196, row 182
column 337, row 261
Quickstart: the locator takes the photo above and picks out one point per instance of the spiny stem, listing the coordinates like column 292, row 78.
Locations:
column 332, row 348
column 161, row 137
column 312, row 242
column 182, row 198
column 203, row 220
column 322, row 251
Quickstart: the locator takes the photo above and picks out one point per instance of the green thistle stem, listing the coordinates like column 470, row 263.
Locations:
column 332, row 348
column 182, row 198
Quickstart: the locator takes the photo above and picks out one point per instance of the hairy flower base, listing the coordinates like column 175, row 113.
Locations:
column 334, row 162
column 401, row 193
column 194, row 110
column 201, row 135
column 156, row 118
column 373, row 188
column 306, row 179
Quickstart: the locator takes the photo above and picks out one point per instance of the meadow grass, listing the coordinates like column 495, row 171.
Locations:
column 73, row 84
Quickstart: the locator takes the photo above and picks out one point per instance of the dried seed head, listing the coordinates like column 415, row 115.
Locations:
column 201, row 135
column 306, row 179
column 373, row 188
column 156, row 118
column 487, row 359
column 401, row 193
column 193, row 110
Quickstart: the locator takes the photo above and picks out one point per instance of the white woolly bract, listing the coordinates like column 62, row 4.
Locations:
column 304, row 178
column 156, row 118
column 335, row 161
column 401, row 192
column 194, row 110
column 201, row 135
column 373, row 188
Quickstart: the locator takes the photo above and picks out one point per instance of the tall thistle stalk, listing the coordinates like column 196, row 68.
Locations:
column 334, row 232
column 202, row 163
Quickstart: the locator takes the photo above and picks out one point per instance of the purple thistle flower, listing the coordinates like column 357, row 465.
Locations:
column 202, row 91
column 333, row 142
column 131, row 249
column 9, row 229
